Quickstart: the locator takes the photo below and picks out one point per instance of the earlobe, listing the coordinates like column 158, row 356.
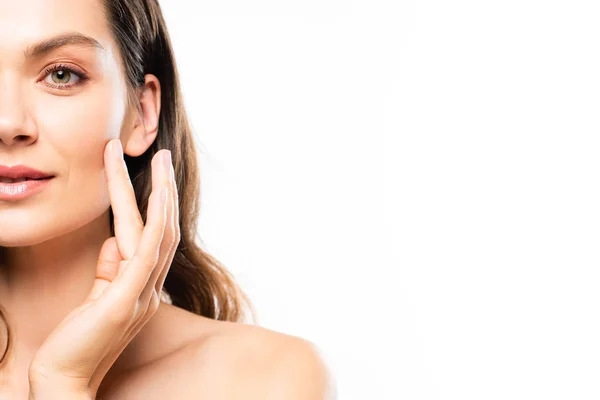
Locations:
column 145, row 126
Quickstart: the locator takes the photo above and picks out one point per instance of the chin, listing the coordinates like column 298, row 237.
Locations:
column 23, row 235
column 32, row 225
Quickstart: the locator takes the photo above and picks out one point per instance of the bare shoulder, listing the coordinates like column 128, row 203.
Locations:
column 251, row 362
column 227, row 361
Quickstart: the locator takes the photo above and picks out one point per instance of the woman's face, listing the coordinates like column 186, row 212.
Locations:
column 59, row 106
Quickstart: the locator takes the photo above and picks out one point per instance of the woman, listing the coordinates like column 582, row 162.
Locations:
column 91, row 116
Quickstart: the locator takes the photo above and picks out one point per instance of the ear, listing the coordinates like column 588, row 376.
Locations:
column 141, row 127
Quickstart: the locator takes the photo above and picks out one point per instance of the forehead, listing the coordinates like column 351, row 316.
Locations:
column 26, row 22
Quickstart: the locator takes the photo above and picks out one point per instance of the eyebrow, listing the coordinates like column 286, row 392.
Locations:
column 46, row 46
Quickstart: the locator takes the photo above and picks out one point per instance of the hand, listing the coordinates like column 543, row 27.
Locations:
column 130, row 273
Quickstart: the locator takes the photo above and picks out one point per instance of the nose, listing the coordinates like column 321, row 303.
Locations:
column 14, row 127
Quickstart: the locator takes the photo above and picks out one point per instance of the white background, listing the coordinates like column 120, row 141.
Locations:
column 412, row 186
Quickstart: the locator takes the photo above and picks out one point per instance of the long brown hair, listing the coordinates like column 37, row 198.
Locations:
column 196, row 281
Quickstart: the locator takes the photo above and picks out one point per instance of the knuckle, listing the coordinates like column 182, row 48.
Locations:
column 172, row 242
column 116, row 173
column 154, row 302
column 168, row 242
column 140, row 311
column 107, row 269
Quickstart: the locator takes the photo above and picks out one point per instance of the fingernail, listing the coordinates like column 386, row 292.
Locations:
column 117, row 148
column 167, row 159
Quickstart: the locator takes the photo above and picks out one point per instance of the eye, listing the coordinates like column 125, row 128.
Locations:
column 63, row 77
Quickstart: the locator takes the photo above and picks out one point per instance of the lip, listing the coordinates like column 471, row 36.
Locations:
column 22, row 171
column 21, row 190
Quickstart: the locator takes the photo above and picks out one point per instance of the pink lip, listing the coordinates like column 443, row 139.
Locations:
column 22, row 171
column 21, row 190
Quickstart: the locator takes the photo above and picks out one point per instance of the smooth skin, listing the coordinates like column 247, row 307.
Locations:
column 131, row 270
column 51, row 243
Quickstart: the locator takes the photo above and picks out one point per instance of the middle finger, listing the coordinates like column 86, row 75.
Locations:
column 161, row 177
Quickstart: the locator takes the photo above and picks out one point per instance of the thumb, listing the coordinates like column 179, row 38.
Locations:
column 106, row 269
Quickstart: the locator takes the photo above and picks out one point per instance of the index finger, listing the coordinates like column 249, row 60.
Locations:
column 128, row 222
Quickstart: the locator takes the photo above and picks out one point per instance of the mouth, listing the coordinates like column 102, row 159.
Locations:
column 10, row 180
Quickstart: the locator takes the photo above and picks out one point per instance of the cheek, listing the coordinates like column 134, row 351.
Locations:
column 94, row 114
column 77, row 128
column 74, row 130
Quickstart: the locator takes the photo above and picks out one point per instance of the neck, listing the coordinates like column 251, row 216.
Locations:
column 40, row 284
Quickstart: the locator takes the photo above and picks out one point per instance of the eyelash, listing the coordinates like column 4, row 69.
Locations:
column 61, row 67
